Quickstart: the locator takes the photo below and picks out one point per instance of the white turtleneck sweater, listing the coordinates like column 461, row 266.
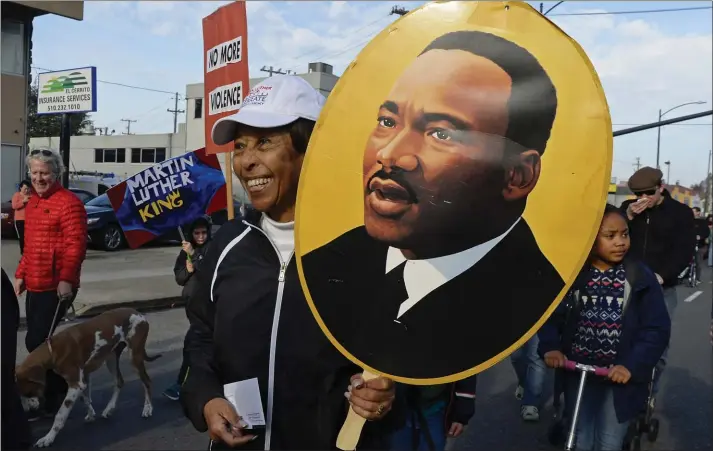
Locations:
column 281, row 233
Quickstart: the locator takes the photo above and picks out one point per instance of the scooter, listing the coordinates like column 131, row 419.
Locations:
column 585, row 370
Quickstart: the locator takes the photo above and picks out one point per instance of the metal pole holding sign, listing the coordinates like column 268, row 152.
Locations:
column 65, row 134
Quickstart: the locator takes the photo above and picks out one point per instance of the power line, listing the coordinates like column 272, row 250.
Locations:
column 114, row 83
column 358, row 44
column 644, row 11
column 311, row 52
column 679, row 125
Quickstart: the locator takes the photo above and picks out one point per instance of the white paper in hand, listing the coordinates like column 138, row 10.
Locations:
column 245, row 397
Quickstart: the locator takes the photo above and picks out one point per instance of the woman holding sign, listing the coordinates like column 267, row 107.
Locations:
column 263, row 375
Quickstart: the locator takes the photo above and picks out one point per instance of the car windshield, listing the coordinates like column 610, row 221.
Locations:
column 100, row 201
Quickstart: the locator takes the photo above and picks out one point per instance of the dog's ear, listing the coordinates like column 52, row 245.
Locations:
column 31, row 380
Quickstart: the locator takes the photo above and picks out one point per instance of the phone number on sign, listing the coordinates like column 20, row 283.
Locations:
column 65, row 107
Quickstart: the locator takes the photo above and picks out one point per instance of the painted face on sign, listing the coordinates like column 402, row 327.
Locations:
column 436, row 163
column 268, row 167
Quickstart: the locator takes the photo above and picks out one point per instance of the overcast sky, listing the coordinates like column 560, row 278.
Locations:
column 646, row 62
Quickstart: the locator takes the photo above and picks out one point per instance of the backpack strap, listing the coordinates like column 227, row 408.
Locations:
column 627, row 295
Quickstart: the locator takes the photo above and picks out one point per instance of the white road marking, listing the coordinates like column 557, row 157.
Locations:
column 692, row 297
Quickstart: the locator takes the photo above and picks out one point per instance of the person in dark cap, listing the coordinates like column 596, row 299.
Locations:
column 662, row 236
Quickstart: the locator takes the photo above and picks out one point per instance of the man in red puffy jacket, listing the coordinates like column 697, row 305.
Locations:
column 55, row 247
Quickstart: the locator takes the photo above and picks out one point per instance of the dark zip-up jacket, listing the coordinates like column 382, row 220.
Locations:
column 251, row 320
column 646, row 329
column 185, row 278
column 663, row 238
column 702, row 230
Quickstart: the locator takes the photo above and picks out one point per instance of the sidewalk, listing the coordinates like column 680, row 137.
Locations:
column 141, row 278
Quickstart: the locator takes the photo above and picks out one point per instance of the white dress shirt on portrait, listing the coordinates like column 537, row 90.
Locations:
column 423, row 276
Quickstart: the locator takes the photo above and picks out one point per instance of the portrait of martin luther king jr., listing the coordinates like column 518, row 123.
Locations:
column 445, row 274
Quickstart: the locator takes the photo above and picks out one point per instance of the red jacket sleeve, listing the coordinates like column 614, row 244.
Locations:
column 20, row 271
column 74, row 231
column 18, row 201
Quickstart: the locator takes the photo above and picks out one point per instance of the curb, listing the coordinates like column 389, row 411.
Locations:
column 145, row 306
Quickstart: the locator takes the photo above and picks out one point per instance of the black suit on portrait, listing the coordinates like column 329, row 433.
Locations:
column 457, row 326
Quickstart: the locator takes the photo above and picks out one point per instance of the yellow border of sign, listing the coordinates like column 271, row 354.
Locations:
column 569, row 278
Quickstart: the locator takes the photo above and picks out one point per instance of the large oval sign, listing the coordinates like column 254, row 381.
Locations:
column 452, row 189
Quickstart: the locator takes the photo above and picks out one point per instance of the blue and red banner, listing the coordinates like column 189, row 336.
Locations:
column 161, row 198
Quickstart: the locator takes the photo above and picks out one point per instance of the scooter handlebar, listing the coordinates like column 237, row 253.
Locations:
column 571, row 365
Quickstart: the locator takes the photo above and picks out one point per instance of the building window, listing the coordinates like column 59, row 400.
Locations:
column 152, row 155
column 109, row 155
column 13, row 48
column 198, row 111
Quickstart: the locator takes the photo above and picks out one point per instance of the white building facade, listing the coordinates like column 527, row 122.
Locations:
column 126, row 155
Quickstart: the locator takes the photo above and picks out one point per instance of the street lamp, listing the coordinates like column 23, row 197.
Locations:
column 661, row 115
column 668, row 172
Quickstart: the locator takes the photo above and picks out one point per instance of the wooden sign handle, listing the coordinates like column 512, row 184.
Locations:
column 351, row 429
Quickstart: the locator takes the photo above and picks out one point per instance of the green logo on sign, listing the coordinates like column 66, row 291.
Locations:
column 59, row 84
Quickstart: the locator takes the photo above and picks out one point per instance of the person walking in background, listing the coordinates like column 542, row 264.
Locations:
column 56, row 239
column 15, row 428
column 662, row 236
column 187, row 263
column 615, row 317
column 702, row 239
column 19, row 202
column 531, row 372
column 435, row 413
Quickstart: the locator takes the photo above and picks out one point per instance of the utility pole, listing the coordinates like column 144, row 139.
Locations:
column 668, row 172
column 637, row 165
column 175, row 112
column 272, row 71
column 128, row 125
column 709, row 184
column 658, row 143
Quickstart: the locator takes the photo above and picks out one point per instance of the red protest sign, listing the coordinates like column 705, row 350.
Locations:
column 225, row 66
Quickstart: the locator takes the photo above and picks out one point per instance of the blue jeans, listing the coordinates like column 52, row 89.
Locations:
column 402, row 440
column 670, row 297
column 531, row 371
column 597, row 426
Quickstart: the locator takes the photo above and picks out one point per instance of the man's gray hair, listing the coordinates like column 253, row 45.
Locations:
column 49, row 157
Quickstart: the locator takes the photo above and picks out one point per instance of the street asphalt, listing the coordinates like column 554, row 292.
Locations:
column 685, row 404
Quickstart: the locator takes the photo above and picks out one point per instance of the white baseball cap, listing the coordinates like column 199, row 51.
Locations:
column 276, row 101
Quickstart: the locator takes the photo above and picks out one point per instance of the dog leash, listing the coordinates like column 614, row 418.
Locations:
column 60, row 301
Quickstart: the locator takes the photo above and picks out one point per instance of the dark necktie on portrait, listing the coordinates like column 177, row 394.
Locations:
column 396, row 287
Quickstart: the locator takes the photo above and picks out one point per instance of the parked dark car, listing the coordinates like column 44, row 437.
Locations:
column 83, row 195
column 7, row 220
column 105, row 232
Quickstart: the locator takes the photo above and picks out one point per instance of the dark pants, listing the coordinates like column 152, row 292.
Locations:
column 15, row 428
column 20, row 229
column 700, row 257
column 412, row 437
column 40, row 308
column 183, row 372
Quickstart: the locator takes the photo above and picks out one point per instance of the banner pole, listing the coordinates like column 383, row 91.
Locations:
column 229, row 185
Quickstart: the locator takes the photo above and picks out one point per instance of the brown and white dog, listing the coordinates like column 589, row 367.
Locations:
column 76, row 352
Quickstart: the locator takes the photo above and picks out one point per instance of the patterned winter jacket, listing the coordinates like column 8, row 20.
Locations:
column 55, row 240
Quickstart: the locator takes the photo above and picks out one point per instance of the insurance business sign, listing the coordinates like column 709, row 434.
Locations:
column 67, row 91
